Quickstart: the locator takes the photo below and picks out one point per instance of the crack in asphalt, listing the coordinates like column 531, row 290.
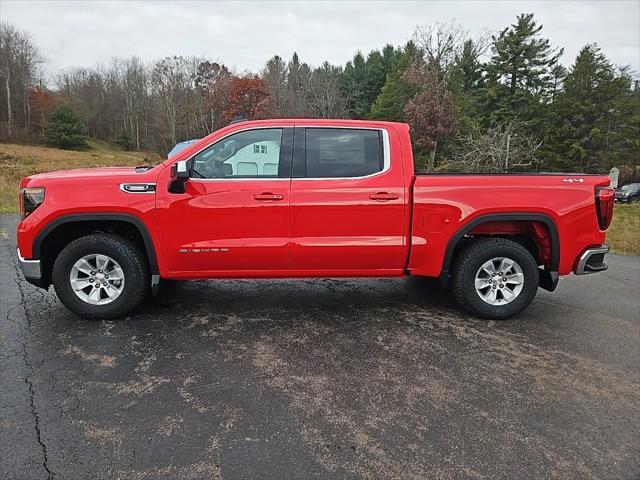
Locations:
column 34, row 412
column 32, row 369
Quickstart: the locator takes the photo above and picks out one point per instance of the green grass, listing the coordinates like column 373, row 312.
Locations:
column 19, row 161
column 624, row 234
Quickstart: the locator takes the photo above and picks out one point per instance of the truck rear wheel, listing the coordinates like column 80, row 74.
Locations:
column 494, row 278
column 100, row 276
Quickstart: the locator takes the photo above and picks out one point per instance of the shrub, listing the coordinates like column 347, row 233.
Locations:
column 124, row 140
column 65, row 130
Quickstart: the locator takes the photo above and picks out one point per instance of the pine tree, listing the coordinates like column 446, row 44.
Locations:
column 379, row 67
column 65, row 130
column 521, row 59
column 468, row 84
column 374, row 80
column 468, row 72
column 274, row 74
column 520, row 75
column 595, row 122
column 298, row 78
column 363, row 79
column 353, row 84
column 124, row 140
column 396, row 92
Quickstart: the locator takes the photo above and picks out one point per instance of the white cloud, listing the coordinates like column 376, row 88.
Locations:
column 246, row 34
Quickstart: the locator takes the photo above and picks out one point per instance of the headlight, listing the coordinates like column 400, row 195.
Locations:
column 30, row 199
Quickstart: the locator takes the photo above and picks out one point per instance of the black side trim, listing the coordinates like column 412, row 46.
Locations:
column 148, row 243
column 501, row 217
column 286, row 153
column 299, row 169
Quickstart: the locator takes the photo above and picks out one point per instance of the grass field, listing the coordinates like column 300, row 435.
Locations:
column 624, row 234
column 17, row 161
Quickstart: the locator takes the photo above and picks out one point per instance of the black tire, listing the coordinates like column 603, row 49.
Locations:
column 468, row 262
column 125, row 253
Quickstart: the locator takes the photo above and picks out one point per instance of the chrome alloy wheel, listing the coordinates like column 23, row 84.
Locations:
column 97, row 279
column 499, row 281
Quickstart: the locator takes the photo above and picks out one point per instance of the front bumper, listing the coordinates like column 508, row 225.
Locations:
column 592, row 260
column 30, row 269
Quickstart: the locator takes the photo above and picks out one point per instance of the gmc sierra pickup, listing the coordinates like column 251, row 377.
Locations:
column 307, row 198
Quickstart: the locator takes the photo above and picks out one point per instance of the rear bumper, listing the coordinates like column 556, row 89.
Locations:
column 592, row 260
column 30, row 269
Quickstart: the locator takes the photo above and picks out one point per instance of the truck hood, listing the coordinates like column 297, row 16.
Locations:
column 97, row 175
column 85, row 173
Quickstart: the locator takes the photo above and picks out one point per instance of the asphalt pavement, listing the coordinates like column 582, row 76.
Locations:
column 321, row 379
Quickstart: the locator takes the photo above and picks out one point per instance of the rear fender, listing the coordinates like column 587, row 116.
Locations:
column 548, row 277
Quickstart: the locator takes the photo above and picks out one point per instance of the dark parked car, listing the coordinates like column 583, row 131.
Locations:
column 628, row 193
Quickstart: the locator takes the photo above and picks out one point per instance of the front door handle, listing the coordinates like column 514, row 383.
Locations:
column 268, row 197
column 384, row 196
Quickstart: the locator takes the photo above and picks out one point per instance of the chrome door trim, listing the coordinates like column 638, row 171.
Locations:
column 385, row 148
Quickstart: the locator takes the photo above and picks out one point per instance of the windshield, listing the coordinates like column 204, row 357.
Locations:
column 630, row 188
column 181, row 146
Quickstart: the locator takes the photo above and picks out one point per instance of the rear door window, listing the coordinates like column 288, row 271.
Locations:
column 342, row 152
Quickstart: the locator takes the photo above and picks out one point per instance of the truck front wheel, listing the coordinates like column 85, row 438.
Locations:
column 100, row 276
column 494, row 278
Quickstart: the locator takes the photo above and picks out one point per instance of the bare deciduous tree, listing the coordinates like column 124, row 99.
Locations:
column 214, row 84
column 498, row 149
column 431, row 112
column 327, row 99
column 170, row 82
column 134, row 78
column 20, row 61
column 441, row 44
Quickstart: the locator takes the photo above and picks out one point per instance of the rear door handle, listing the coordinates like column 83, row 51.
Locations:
column 268, row 197
column 384, row 196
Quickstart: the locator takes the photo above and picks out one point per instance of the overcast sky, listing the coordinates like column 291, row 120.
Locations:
column 245, row 34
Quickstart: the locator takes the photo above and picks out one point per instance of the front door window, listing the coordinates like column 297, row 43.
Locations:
column 248, row 154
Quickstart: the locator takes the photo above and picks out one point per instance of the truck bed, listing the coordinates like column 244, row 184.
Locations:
column 446, row 204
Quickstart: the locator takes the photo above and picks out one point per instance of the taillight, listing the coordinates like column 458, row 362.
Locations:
column 604, row 206
column 30, row 199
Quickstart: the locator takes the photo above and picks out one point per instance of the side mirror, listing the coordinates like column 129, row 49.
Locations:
column 180, row 170
column 179, row 176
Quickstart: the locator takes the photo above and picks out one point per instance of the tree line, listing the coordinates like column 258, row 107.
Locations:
column 485, row 103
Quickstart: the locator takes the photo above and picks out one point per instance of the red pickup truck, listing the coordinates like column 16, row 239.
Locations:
column 307, row 198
